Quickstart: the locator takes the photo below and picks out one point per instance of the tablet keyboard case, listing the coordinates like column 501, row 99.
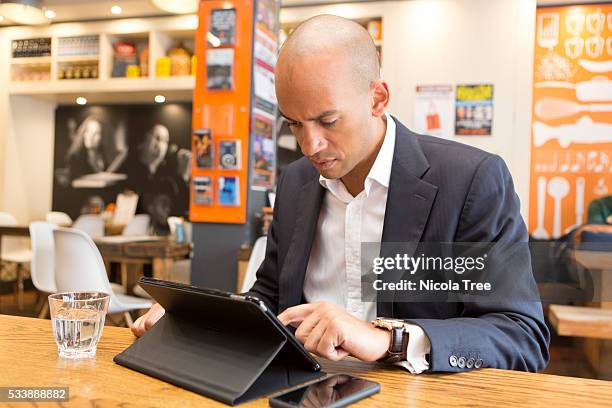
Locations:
column 213, row 346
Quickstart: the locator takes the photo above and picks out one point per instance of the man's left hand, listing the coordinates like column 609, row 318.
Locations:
column 332, row 333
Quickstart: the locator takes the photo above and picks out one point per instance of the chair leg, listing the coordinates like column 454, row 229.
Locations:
column 44, row 311
column 124, row 276
column 20, row 287
column 128, row 319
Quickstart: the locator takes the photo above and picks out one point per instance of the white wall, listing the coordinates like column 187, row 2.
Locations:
column 424, row 41
column 458, row 41
column 28, row 165
column 27, row 124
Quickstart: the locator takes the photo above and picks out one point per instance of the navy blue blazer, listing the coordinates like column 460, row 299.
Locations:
column 439, row 191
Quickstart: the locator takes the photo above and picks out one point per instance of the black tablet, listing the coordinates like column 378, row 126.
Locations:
column 226, row 346
column 234, row 302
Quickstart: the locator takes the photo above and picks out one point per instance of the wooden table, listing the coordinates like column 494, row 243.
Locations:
column 598, row 351
column 161, row 254
column 28, row 356
column 16, row 231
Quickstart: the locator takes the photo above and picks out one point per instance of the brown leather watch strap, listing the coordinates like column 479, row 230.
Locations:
column 398, row 345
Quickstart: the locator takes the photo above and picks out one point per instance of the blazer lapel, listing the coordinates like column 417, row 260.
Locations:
column 409, row 199
column 296, row 261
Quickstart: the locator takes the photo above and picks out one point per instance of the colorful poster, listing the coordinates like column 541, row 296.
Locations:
column 203, row 190
column 229, row 190
column 203, row 148
column 474, row 110
column 220, row 69
column 264, row 151
column 263, row 77
column 267, row 15
column 222, row 27
column 229, row 154
column 571, row 144
column 433, row 110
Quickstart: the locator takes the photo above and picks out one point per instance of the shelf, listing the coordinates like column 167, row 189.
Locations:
column 78, row 58
column 157, row 33
column 114, row 90
column 31, row 60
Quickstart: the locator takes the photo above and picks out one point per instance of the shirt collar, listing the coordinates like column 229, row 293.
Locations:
column 380, row 171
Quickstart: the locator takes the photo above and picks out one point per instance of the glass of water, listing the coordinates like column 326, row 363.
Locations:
column 78, row 319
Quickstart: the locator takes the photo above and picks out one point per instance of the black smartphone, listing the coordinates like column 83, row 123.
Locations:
column 336, row 391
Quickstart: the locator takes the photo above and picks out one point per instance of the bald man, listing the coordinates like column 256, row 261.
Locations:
column 366, row 178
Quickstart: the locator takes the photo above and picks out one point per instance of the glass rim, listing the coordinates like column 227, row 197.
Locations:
column 102, row 296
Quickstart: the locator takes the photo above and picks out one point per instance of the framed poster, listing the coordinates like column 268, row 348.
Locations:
column 220, row 69
column 433, row 110
column 474, row 110
column 203, row 148
column 222, row 27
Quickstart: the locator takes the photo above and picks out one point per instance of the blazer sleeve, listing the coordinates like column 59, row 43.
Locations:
column 266, row 284
column 509, row 333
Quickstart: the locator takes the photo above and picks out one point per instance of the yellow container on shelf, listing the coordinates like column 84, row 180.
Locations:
column 162, row 67
column 132, row 71
column 194, row 65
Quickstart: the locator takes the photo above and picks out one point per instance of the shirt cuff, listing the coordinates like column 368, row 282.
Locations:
column 418, row 348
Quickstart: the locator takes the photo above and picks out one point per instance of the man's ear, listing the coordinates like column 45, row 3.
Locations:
column 379, row 94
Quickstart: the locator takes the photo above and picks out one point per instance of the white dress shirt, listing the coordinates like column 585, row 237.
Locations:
column 344, row 223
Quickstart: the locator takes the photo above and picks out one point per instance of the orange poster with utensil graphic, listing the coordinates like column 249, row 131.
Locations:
column 571, row 134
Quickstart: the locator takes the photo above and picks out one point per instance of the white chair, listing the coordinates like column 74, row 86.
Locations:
column 138, row 226
column 79, row 267
column 15, row 250
column 91, row 224
column 41, row 269
column 61, row 219
column 257, row 256
column 43, row 262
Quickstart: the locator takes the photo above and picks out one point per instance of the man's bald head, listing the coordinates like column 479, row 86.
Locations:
column 349, row 44
column 328, row 88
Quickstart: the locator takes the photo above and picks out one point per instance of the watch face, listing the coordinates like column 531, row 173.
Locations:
column 388, row 324
column 391, row 322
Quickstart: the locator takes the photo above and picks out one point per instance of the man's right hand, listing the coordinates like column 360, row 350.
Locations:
column 144, row 322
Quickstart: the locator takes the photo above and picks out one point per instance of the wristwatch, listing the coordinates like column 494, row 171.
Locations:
column 398, row 346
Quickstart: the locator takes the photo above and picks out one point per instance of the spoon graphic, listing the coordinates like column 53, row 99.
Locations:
column 558, row 188
column 540, row 232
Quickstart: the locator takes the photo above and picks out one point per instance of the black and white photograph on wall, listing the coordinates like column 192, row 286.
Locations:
column 102, row 151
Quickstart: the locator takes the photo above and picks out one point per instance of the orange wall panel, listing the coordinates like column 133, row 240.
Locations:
column 571, row 153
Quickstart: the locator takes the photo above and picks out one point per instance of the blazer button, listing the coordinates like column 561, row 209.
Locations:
column 452, row 360
column 470, row 362
column 478, row 363
column 461, row 362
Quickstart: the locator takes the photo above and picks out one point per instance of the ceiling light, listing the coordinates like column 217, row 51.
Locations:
column 116, row 9
column 160, row 98
column 50, row 14
column 81, row 101
column 177, row 6
column 23, row 11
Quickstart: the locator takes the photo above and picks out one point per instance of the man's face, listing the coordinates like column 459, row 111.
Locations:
column 158, row 142
column 92, row 134
column 327, row 112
